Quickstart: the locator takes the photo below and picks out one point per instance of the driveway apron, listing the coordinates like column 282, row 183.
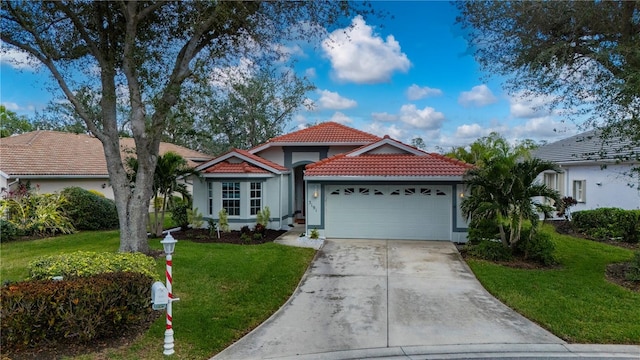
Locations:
column 367, row 294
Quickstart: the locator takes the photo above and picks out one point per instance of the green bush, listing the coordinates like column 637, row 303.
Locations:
column 180, row 215
column 78, row 310
column 35, row 214
column 607, row 223
column 633, row 274
column 89, row 211
column 539, row 248
column 482, row 229
column 490, row 250
column 8, row 231
column 87, row 263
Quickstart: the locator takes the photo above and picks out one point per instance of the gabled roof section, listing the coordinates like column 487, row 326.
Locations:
column 585, row 147
column 54, row 153
column 239, row 161
column 366, row 162
column 326, row 133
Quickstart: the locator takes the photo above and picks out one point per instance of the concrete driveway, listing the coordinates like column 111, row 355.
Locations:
column 371, row 295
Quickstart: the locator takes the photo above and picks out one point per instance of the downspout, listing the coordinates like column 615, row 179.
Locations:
column 280, row 204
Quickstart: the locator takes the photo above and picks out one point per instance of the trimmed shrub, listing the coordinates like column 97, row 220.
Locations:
column 633, row 274
column 8, row 231
column 490, row 250
column 78, row 310
column 180, row 215
column 539, row 248
column 89, row 211
column 87, row 263
column 482, row 229
column 608, row 223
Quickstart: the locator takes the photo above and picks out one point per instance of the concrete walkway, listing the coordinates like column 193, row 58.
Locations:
column 404, row 300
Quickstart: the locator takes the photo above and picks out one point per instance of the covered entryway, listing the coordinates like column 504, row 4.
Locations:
column 415, row 212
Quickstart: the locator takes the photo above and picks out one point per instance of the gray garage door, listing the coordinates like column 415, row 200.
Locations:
column 418, row 212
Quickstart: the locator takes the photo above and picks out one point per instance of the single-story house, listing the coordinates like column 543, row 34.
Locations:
column 596, row 173
column 53, row 160
column 344, row 182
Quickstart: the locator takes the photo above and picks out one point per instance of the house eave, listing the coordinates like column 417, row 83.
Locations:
column 236, row 175
column 59, row 176
column 383, row 178
column 316, row 143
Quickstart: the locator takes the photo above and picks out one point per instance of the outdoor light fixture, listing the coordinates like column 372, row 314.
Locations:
column 461, row 195
column 169, row 244
column 316, row 192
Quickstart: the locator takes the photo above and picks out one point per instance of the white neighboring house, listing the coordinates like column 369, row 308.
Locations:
column 595, row 172
column 53, row 160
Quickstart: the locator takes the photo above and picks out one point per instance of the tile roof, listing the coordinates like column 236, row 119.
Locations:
column 256, row 164
column 327, row 132
column 226, row 167
column 388, row 165
column 587, row 146
column 67, row 154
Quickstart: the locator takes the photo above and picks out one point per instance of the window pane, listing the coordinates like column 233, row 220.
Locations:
column 231, row 198
column 255, row 197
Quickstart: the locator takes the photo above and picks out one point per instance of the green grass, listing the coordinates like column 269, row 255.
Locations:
column 575, row 302
column 224, row 290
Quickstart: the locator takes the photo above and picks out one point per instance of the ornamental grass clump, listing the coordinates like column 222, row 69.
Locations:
column 87, row 263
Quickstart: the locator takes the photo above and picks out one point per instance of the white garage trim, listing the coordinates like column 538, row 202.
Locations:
column 416, row 212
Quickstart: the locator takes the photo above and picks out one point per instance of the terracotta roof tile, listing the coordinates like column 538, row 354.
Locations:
column 59, row 153
column 388, row 165
column 226, row 167
column 326, row 132
column 261, row 160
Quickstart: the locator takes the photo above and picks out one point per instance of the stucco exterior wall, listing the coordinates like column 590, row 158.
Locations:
column 49, row 186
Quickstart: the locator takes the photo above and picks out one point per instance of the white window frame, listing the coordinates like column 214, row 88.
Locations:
column 580, row 190
column 233, row 194
column 255, row 195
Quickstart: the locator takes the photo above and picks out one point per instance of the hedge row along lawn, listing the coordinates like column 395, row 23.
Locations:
column 575, row 302
column 224, row 290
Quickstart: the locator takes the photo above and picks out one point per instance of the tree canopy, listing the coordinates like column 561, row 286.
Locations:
column 12, row 123
column 583, row 54
column 146, row 53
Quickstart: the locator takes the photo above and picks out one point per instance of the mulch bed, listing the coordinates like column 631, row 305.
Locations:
column 617, row 274
column 231, row 237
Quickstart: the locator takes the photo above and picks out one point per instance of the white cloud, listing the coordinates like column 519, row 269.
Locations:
column 310, row 73
column 543, row 128
column 286, row 52
column 17, row 59
column 427, row 118
column 222, row 76
column 472, row 131
column 479, row 95
column 384, row 117
column 415, row 92
column 11, row 106
column 529, row 105
column 360, row 56
column 333, row 101
column 341, row 118
column 380, row 130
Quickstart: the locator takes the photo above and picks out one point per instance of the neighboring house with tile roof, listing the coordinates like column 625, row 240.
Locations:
column 53, row 160
column 344, row 182
column 595, row 172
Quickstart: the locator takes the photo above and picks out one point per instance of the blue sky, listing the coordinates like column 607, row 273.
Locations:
column 406, row 75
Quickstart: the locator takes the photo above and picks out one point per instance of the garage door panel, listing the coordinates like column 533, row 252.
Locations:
column 388, row 212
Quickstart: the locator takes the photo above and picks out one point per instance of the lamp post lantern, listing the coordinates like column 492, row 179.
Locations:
column 169, row 244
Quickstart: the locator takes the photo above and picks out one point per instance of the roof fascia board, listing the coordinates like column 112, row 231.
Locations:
column 236, row 175
column 386, row 141
column 383, row 178
column 596, row 162
column 242, row 157
column 59, row 176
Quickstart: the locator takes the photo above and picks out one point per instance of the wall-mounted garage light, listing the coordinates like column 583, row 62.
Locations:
column 315, row 192
column 461, row 195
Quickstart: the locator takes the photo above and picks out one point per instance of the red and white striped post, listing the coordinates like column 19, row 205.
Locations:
column 169, row 244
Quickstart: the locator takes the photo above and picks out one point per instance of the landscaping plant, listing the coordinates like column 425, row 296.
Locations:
column 88, row 263
column 88, row 211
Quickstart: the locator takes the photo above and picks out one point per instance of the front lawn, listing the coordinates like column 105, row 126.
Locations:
column 575, row 302
column 224, row 290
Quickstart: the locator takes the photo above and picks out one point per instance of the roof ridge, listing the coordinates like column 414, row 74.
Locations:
column 452, row 160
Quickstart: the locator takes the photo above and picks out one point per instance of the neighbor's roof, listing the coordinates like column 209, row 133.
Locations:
column 587, row 146
column 411, row 163
column 57, row 153
column 326, row 133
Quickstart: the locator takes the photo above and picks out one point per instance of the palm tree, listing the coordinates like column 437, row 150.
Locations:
column 504, row 189
column 170, row 168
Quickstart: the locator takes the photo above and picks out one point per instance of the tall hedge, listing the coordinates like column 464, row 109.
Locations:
column 607, row 223
column 89, row 211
